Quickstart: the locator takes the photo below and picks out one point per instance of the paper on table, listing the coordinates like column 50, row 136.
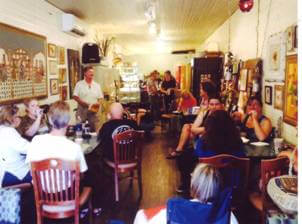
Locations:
column 259, row 143
column 93, row 133
column 245, row 140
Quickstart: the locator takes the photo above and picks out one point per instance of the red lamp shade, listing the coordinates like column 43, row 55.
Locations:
column 246, row 5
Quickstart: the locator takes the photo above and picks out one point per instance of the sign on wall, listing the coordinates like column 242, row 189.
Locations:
column 23, row 72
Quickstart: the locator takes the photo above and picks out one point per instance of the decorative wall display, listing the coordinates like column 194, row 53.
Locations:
column 296, row 37
column 243, row 79
column 268, row 95
column 23, row 71
column 61, row 55
column 290, row 108
column 74, row 69
column 290, row 38
column 62, row 75
column 278, row 99
column 274, row 56
column 54, row 86
column 52, row 50
column 63, row 92
column 53, row 68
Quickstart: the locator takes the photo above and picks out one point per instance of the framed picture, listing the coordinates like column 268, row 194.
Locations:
column 54, row 86
column 290, row 38
column 74, row 69
column 278, row 99
column 290, row 107
column 243, row 79
column 61, row 55
column 63, row 92
column 268, row 94
column 296, row 37
column 53, row 68
column 52, row 51
column 23, row 65
column 274, row 56
column 62, row 75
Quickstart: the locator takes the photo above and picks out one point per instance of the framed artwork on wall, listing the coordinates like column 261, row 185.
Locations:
column 290, row 107
column 274, row 56
column 61, row 55
column 243, row 79
column 278, row 97
column 54, row 86
column 52, row 50
column 62, row 75
column 53, row 68
column 74, row 69
column 290, row 38
column 23, row 69
column 268, row 94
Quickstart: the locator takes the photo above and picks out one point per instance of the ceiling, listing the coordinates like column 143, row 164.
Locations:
column 182, row 24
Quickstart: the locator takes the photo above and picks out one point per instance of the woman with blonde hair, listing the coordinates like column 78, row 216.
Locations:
column 13, row 169
column 187, row 101
column 206, row 184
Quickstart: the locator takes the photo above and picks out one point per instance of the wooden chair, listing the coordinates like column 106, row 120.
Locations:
column 269, row 168
column 127, row 157
column 57, row 189
column 229, row 166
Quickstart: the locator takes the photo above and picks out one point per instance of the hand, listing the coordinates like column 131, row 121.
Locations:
column 254, row 114
column 39, row 112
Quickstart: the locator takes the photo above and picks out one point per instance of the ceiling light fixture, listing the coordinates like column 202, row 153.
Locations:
column 152, row 28
column 246, row 5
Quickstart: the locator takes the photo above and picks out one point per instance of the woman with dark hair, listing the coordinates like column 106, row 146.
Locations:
column 207, row 89
column 167, row 88
column 220, row 137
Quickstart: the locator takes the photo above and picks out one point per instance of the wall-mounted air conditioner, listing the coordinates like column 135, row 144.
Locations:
column 71, row 25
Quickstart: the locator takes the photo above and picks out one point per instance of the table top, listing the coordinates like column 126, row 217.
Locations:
column 87, row 145
column 260, row 152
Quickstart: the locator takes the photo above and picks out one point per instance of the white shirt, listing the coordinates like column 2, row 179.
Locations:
column 49, row 146
column 12, row 146
column 88, row 93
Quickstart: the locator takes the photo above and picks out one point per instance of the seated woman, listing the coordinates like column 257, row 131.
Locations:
column 206, row 183
column 13, row 169
column 187, row 101
column 34, row 121
column 221, row 137
column 254, row 124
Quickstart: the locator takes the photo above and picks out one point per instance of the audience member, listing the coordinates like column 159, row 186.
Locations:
column 153, row 92
column 167, row 88
column 220, row 137
column 207, row 89
column 115, row 125
column 187, row 101
column 13, row 169
column 34, row 122
column 206, row 184
column 255, row 125
column 189, row 131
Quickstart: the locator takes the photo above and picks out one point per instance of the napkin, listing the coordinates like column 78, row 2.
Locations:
column 245, row 140
column 260, row 143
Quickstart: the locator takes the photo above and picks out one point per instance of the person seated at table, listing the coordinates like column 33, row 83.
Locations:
column 115, row 125
column 206, row 184
column 255, row 125
column 187, row 101
column 189, row 131
column 207, row 89
column 220, row 137
column 34, row 121
column 13, row 169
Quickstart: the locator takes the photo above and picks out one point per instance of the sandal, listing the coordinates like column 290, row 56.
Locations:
column 174, row 154
column 97, row 211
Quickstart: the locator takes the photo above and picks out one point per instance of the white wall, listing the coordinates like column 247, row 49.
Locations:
column 243, row 41
column 160, row 62
column 40, row 17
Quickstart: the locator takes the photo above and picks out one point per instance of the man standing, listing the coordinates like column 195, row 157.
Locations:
column 88, row 94
column 115, row 125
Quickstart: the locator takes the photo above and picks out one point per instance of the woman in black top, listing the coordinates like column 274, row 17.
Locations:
column 167, row 88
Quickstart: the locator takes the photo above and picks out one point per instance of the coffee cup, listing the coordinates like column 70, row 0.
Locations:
column 278, row 144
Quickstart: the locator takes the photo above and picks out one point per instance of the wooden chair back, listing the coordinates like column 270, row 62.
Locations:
column 56, row 184
column 127, row 147
column 235, row 172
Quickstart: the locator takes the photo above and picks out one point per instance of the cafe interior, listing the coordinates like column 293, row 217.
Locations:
column 194, row 101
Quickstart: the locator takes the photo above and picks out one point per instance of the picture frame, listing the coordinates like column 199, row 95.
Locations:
column 74, row 69
column 296, row 37
column 290, row 38
column 63, row 93
column 274, row 56
column 243, row 79
column 54, row 86
column 290, row 107
column 53, row 68
column 61, row 55
column 268, row 95
column 62, row 75
column 52, row 50
column 278, row 97
column 27, row 51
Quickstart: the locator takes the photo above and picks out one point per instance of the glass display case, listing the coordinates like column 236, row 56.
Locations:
column 129, row 91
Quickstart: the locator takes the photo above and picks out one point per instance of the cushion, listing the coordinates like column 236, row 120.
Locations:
column 10, row 201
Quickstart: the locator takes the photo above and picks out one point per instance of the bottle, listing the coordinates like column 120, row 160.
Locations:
column 78, row 128
column 86, row 128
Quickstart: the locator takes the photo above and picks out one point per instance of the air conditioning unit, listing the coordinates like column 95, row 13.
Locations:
column 71, row 25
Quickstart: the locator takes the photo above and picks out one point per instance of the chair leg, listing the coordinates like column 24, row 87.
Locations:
column 140, row 183
column 39, row 217
column 77, row 217
column 116, row 186
column 90, row 211
column 131, row 178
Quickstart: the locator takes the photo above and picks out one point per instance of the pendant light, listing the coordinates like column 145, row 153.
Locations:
column 246, row 5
